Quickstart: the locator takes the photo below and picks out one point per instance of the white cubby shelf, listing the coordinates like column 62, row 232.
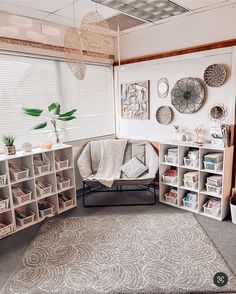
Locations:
column 199, row 189
column 29, row 202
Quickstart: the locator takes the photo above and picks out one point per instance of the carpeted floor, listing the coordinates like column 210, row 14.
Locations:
column 222, row 233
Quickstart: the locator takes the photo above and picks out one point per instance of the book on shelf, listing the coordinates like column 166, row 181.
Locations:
column 221, row 134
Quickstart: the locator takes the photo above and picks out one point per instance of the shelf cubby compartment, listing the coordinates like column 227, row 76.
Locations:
column 190, row 163
column 48, row 188
column 188, row 184
column 6, row 224
column 189, row 205
column 52, row 208
column 166, row 158
column 63, row 158
column 213, row 213
column 3, row 174
column 28, row 188
column 4, row 199
column 24, row 166
column 212, row 167
column 68, row 182
column 43, row 163
column 29, row 214
column 66, row 199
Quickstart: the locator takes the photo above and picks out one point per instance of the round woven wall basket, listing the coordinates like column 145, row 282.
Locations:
column 215, row 75
column 164, row 115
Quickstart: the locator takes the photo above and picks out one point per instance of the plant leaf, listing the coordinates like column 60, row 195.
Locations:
column 69, row 113
column 33, row 111
column 54, row 105
column 40, row 126
column 66, row 118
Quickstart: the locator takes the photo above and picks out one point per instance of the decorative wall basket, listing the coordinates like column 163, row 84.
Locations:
column 187, row 95
column 162, row 87
column 217, row 112
column 215, row 75
column 96, row 35
column 73, row 53
column 164, row 115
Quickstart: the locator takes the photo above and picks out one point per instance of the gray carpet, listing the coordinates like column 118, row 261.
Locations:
column 223, row 234
column 120, row 254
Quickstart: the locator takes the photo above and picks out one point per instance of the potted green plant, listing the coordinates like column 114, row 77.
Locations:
column 53, row 115
column 233, row 206
column 10, row 148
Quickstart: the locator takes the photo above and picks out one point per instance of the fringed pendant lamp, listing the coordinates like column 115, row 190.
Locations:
column 74, row 52
column 96, row 35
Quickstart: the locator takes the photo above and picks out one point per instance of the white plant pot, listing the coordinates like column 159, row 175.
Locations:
column 233, row 213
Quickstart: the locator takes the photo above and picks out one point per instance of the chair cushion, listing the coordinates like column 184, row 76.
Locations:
column 133, row 168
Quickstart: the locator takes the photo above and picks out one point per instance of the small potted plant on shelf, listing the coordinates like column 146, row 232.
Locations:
column 233, row 206
column 10, row 148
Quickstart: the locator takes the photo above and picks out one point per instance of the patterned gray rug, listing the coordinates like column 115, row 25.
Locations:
column 120, row 254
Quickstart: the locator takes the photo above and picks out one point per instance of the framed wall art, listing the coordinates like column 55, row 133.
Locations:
column 135, row 100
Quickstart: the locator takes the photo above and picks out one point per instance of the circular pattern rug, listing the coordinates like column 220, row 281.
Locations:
column 120, row 254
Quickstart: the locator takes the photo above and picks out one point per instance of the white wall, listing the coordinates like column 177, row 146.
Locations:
column 175, row 68
column 201, row 28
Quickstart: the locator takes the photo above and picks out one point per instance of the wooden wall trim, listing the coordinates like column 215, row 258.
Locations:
column 205, row 47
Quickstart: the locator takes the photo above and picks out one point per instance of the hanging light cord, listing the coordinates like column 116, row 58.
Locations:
column 74, row 12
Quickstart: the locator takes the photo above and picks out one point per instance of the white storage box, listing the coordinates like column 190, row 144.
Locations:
column 171, row 159
column 6, row 230
column 171, row 199
column 4, row 204
column 190, row 204
column 64, row 185
column 44, row 191
column 61, row 164
column 191, row 176
column 43, row 168
column 47, row 211
column 191, row 185
column 23, row 174
column 191, row 162
column 216, row 191
column 28, row 219
column 215, row 211
column 214, row 181
column 65, row 204
column 213, row 166
column 24, row 198
column 169, row 179
column 3, row 180
column 214, row 157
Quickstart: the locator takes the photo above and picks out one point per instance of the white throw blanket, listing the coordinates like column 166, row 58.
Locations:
column 112, row 155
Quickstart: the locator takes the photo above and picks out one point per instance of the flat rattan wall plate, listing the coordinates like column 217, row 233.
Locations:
column 187, row 95
column 217, row 112
column 162, row 87
column 164, row 115
column 215, row 75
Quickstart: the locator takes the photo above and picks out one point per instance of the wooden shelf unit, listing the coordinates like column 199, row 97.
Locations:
column 25, row 159
column 203, row 195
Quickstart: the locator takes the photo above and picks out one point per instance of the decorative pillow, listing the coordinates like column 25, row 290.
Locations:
column 133, row 168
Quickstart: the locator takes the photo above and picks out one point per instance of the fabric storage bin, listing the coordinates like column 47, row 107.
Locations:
column 44, row 191
column 30, row 215
column 47, row 211
column 23, row 174
column 189, row 204
column 24, row 198
column 61, row 164
column 217, row 191
column 191, row 162
column 215, row 211
column 213, row 166
column 3, row 180
column 190, row 184
column 5, row 230
column 191, row 176
column 65, row 204
column 4, row 204
column 169, row 179
column 171, row 159
column 171, row 199
column 64, row 185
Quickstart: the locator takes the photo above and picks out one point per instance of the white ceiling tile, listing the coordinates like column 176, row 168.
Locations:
column 44, row 5
column 198, row 4
column 19, row 10
column 82, row 7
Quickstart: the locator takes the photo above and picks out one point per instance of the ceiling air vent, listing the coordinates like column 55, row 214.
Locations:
column 147, row 10
column 124, row 21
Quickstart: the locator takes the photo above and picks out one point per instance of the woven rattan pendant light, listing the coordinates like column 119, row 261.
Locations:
column 96, row 35
column 73, row 51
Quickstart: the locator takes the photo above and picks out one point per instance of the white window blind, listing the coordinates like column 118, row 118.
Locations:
column 36, row 82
